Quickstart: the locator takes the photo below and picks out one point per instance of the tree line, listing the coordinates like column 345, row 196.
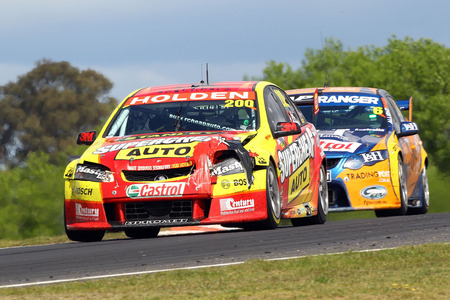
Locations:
column 405, row 68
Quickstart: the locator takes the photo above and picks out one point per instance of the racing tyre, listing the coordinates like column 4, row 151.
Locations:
column 273, row 203
column 425, row 196
column 403, row 195
column 142, row 233
column 322, row 204
column 83, row 235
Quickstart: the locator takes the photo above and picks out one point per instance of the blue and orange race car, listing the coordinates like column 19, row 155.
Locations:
column 375, row 158
column 234, row 153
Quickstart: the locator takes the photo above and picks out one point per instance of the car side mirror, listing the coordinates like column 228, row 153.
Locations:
column 86, row 138
column 287, row 128
column 408, row 128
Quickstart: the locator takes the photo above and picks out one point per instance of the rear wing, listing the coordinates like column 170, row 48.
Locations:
column 406, row 105
column 308, row 105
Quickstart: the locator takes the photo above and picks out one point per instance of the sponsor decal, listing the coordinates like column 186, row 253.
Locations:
column 288, row 126
column 82, row 212
column 292, row 157
column 299, row 180
column 328, row 176
column 334, row 136
column 384, row 174
column 225, row 95
column 369, row 129
column 199, row 122
column 363, row 175
column 374, row 192
column 147, row 190
column 408, row 126
column 81, row 171
column 155, row 222
column 302, row 97
column 156, row 152
column 160, row 135
column 348, row 99
column 226, row 184
column 82, row 191
column 231, row 206
column 226, row 168
column 336, row 146
column 262, row 160
column 153, row 142
column 69, row 173
column 239, row 182
column 87, row 136
column 373, row 156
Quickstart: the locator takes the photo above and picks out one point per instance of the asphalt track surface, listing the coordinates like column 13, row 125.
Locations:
column 75, row 261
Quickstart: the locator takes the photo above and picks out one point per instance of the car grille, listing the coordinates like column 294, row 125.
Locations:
column 332, row 162
column 156, row 175
column 158, row 210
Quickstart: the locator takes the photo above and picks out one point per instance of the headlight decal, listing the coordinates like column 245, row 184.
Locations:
column 92, row 173
column 357, row 161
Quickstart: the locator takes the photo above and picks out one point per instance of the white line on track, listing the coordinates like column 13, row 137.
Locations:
column 167, row 270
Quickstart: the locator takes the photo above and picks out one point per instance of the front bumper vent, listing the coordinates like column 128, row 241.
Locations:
column 332, row 162
column 156, row 210
column 156, row 175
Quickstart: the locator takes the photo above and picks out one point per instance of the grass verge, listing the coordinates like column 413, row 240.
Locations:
column 408, row 272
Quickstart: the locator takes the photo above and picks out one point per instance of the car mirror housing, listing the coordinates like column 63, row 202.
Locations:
column 408, row 128
column 86, row 138
column 287, row 128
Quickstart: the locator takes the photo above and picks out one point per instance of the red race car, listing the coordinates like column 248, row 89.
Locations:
column 235, row 153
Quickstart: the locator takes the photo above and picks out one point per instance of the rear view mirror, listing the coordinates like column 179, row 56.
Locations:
column 86, row 138
column 287, row 128
column 408, row 128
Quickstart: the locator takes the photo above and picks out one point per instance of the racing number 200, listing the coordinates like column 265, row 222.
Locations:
column 240, row 103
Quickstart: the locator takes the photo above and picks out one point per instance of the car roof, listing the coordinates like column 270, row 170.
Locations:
column 363, row 90
column 192, row 88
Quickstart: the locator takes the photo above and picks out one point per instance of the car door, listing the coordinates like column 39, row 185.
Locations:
column 294, row 160
column 409, row 144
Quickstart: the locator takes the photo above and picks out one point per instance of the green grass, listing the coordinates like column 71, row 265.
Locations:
column 408, row 272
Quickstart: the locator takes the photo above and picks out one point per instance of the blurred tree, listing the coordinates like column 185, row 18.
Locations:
column 404, row 68
column 46, row 108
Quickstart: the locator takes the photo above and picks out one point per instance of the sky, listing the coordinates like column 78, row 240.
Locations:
column 141, row 43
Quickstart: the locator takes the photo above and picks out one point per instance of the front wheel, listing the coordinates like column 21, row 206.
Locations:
column 273, row 201
column 403, row 195
column 425, row 196
column 83, row 235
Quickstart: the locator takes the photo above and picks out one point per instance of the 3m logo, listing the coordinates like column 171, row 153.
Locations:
column 170, row 189
column 87, row 136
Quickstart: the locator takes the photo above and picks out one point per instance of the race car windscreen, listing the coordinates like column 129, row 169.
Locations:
column 346, row 111
column 185, row 116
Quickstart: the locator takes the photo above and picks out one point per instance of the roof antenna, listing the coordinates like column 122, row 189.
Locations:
column 201, row 74
column 327, row 80
column 207, row 74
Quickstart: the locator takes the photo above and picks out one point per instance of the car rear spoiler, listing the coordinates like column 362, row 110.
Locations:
column 310, row 100
column 406, row 105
